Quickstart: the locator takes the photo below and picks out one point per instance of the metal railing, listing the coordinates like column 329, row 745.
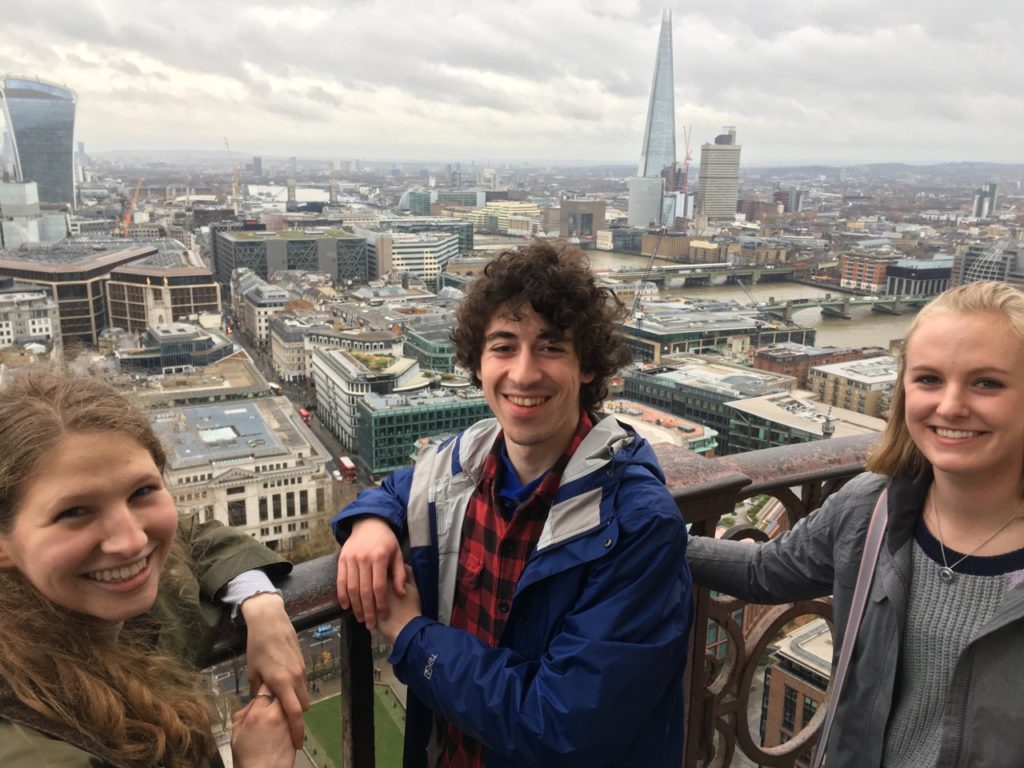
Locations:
column 800, row 476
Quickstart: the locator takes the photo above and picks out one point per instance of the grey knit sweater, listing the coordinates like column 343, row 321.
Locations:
column 941, row 619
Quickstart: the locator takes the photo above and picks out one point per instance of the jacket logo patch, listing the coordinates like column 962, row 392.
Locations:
column 428, row 671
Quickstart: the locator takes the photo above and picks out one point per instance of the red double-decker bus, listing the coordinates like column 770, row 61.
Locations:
column 305, row 415
column 347, row 467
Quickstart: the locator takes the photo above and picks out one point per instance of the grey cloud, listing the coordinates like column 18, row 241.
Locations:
column 839, row 75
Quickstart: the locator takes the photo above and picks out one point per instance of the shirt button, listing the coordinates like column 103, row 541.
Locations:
column 503, row 607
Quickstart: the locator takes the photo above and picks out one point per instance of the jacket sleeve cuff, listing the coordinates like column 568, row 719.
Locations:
column 402, row 643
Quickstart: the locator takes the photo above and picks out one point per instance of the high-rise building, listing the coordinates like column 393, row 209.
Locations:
column 581, row 218
column 645, row 196
column 719, row 189
column 659, row 146
column 40, row 121
column 19, row 214
column 659, row 150
column 985, row 201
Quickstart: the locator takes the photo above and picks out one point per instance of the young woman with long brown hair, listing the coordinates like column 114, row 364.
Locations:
column 107, row 599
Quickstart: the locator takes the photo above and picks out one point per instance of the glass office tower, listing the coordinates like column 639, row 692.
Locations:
column 648, row 204
column 40, row 121
column 659, row 151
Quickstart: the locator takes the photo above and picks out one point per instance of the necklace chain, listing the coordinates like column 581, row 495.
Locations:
column 946, row 572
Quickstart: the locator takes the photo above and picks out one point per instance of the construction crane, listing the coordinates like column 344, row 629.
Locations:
column 684, row 187
column 636, row 311
column 761, row 314
column 235, row 174
column 126, row 219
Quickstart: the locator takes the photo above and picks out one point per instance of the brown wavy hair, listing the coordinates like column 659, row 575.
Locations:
column 896, row 453
column 555, row 280
column 76, row 671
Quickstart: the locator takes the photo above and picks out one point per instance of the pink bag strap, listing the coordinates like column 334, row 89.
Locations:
column 872, row 545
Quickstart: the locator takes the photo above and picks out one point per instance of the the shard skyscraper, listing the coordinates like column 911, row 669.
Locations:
column 659, row 150
column 646, row 189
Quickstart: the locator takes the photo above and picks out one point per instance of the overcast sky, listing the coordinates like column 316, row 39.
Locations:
column 833, row 81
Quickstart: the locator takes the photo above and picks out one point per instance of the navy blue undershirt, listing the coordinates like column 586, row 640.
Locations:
column 974, row 565
column 511, row 492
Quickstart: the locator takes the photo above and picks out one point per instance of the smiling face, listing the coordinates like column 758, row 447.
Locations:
column 93, row 527
column 964, row 396
column 531, row 378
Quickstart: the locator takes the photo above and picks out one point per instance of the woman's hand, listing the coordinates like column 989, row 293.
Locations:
column 403, row 608
column 260, row 735
column 274, row 659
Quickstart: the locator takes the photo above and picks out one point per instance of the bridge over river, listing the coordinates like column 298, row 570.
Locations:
column 692, row 275
column 839, row 306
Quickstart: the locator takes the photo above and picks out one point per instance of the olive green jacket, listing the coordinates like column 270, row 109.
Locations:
column 185, row 620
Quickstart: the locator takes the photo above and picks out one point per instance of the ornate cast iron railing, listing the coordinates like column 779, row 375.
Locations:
column 801, row 477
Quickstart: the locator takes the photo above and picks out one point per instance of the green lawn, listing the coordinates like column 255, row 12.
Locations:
column 324, row 721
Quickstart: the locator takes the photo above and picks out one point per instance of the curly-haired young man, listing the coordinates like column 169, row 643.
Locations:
column 547, row 618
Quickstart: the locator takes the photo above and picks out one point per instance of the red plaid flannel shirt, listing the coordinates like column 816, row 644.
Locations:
column 492, row 556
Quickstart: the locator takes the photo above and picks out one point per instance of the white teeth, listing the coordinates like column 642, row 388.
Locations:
column 119, row 574
column 954, row 434
column 526, row 402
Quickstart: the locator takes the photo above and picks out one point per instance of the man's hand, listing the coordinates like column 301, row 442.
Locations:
column 369, row 565
column 274, row 659
column 404, row 608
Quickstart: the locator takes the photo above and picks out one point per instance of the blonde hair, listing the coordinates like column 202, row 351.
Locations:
column 115, row 689
column 896, row 453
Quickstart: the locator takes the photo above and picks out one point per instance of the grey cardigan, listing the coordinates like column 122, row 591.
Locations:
column 983, row 723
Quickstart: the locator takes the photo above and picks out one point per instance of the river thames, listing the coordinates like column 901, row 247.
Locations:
column 864, row 329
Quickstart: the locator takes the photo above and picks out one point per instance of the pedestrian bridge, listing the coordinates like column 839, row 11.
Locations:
column 692, row 275
column 839, row 306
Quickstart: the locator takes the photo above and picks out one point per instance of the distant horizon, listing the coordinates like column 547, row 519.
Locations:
column 530, row 162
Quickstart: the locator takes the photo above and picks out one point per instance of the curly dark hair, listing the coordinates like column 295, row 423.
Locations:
column 556, row 281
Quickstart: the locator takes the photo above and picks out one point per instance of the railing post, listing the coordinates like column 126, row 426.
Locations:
column 357, row 730
column 704, row 490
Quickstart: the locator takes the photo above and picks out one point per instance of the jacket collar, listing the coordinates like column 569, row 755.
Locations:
column 603, row 441
column 906, row 501
column 577, row 505
column 13, row 710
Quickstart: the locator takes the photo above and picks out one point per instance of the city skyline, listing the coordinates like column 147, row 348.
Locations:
column 373, row 80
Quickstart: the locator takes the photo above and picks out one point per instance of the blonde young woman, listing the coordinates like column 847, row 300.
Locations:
column 107, row 599
column 935, row 675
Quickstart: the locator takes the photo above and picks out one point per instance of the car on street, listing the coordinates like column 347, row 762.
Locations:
column 324, row 631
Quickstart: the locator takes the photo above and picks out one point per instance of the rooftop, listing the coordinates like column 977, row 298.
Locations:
column 872, row 370
column 810, row 646
column 800, row 410
column 733, row 382
column 217, row 433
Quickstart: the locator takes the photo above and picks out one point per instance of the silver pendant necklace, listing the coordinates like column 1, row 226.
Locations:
column 946, row 572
